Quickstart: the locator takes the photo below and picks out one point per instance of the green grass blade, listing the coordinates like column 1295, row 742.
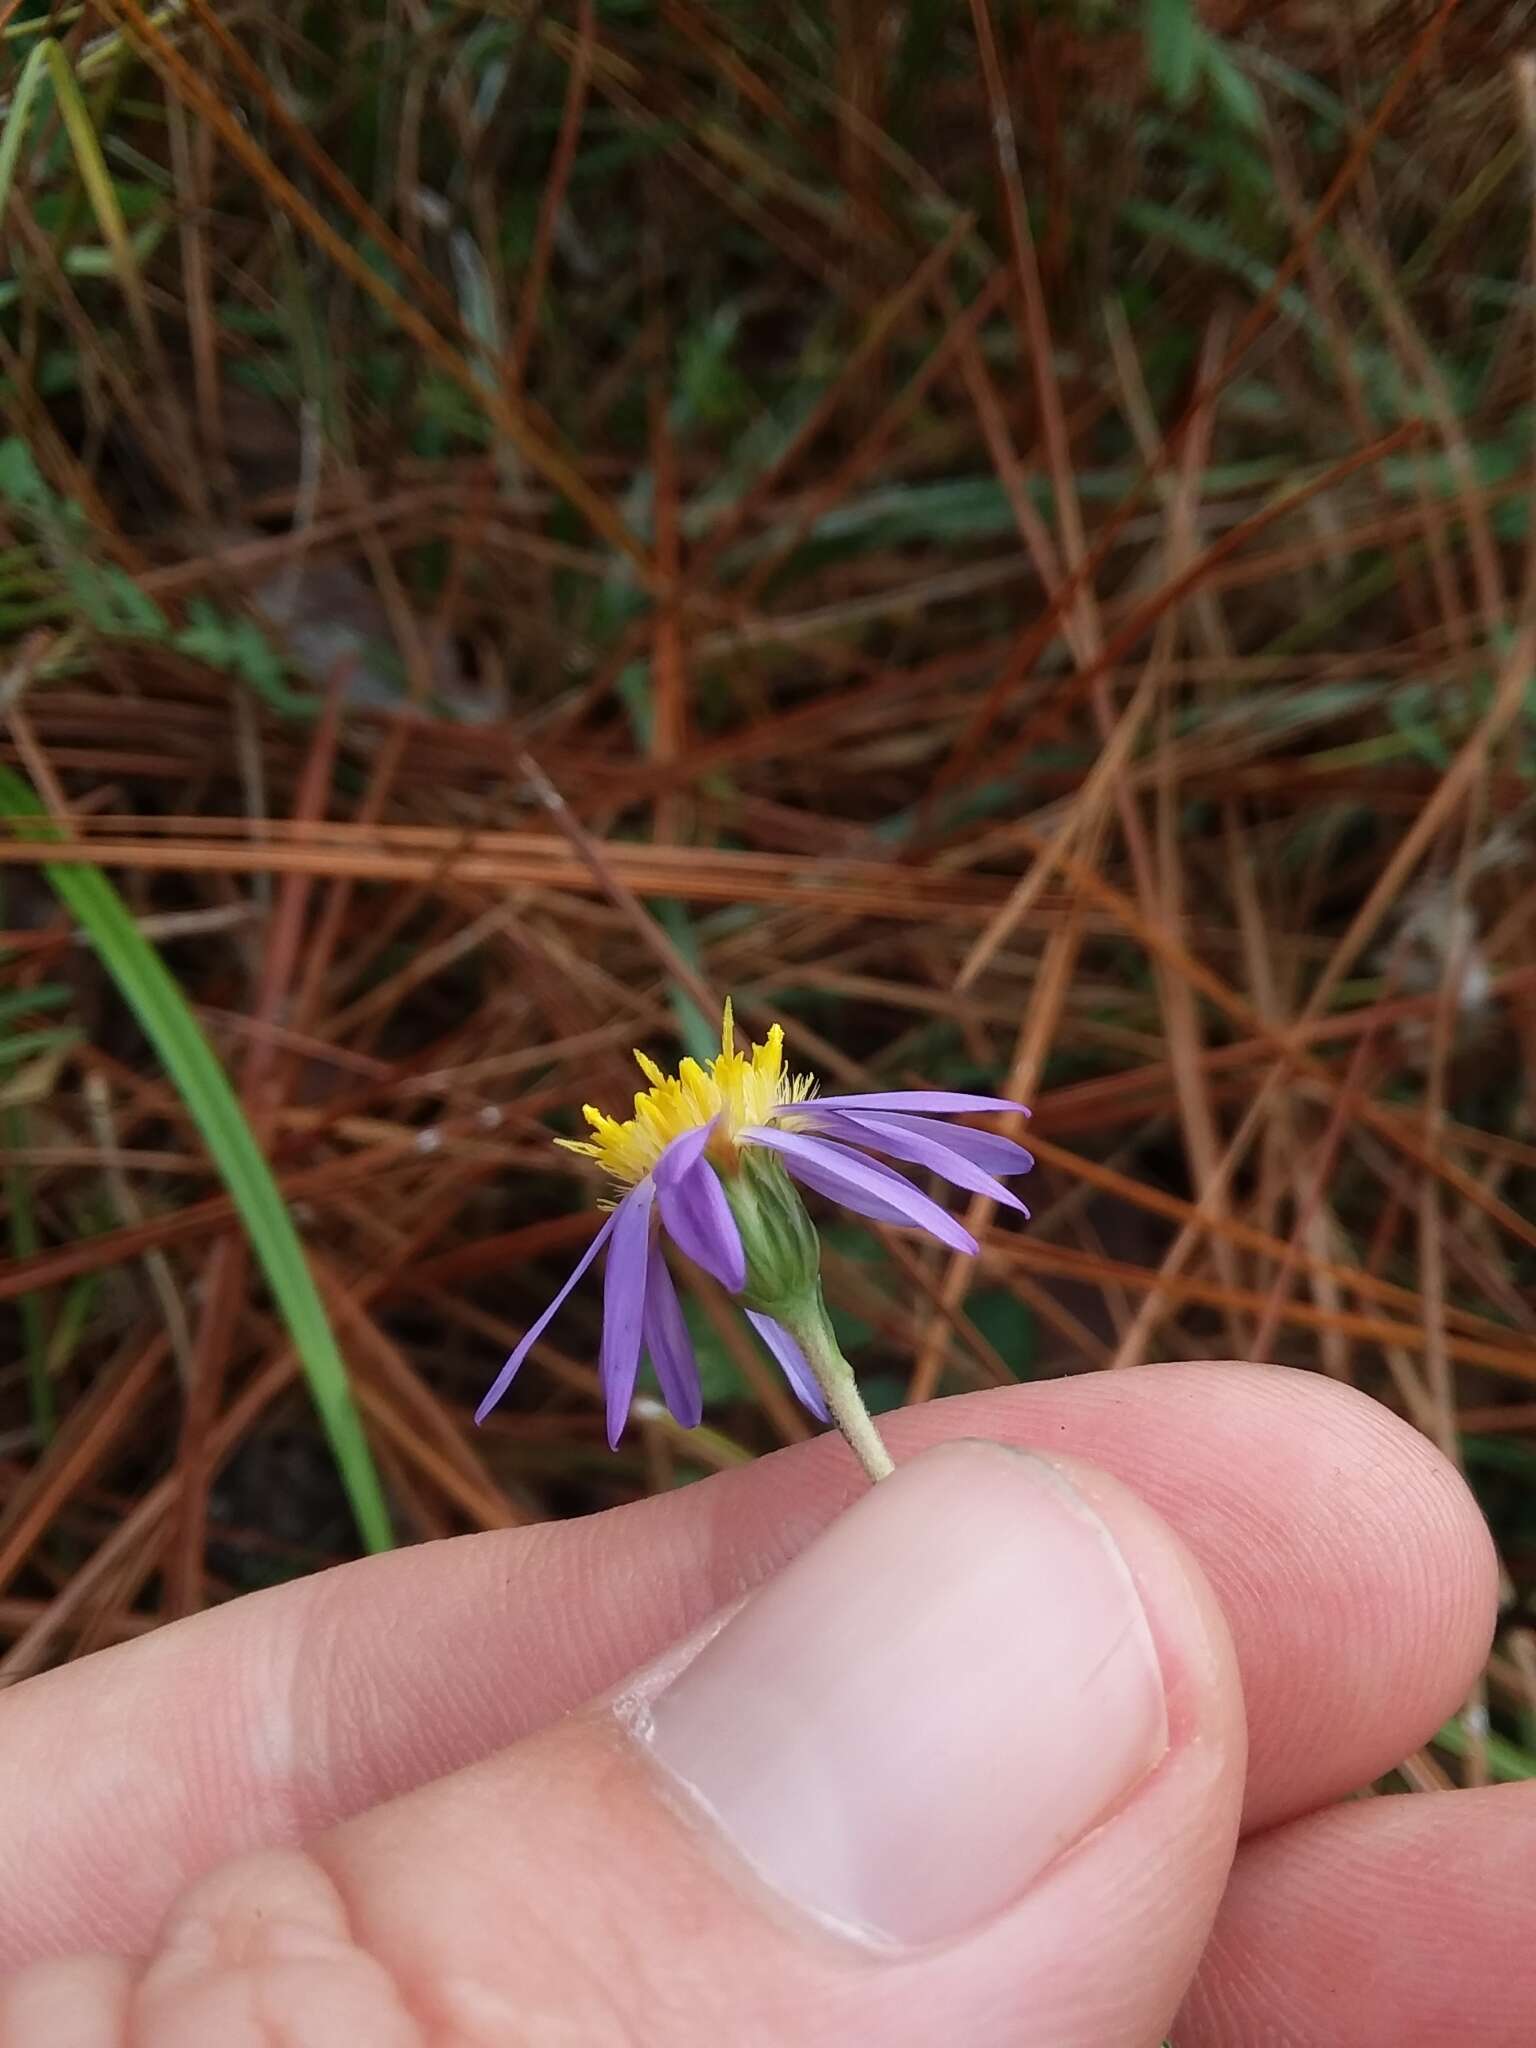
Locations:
column 13, row 132
column 1508, row 1764
column 95, row 176
column 1171, row 32
column 21, row 1002
column 155, row 998
column 25, row 1045
column 24, row 1241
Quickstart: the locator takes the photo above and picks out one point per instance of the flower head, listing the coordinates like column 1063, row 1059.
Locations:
column 736, row 1092
column 709, row 1158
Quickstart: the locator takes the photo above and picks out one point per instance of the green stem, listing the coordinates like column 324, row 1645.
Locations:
column 834, row 1375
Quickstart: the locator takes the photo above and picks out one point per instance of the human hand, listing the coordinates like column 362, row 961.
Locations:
column 994, row 1712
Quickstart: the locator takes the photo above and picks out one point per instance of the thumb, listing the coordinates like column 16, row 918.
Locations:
column 968, row 1770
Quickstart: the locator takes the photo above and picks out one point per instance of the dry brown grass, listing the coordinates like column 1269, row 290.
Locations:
column 889, row 520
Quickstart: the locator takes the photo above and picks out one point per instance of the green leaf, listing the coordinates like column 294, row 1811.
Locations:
column 710, row 390
column 1008, row 1325
column 1173, row 38
column 850, row 1329
column 1412, row 709
column 1232, row 89
column 1507, row 1763
column 700, row 1035
column 21, row 481
column 14, row 132
column 97, row 179
column 883, row 1392
column 25, row 1045
column 22, row 1216
column 155, row 998
column 720, row 1377
column 240, row 648
column 22, row 1002
column 109, row 600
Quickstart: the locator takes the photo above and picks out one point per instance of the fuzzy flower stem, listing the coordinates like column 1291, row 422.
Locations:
column 834, row 1375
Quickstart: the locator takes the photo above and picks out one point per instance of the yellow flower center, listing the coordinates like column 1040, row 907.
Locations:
column 738, row 1088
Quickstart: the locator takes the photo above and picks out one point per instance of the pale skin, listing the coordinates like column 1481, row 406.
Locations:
column 388, row 1806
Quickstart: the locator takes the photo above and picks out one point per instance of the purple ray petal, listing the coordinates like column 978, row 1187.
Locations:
column 983, row 1148
column 926, row 1101
column 929, row 1148
column 667, row 1340
column 624, row 1303
column 695, row 1212
column 508, row 1372
column 887, row 1188
column 792, row 1362
column 859, row 1184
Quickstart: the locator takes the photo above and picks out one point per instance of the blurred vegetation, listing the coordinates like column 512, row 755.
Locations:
column 1001, row 535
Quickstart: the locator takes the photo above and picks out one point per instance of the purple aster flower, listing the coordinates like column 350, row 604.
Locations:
column 709, row 1159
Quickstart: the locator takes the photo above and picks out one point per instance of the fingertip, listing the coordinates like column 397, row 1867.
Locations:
column 1393, row 1581
column 1399, row 1922
column 1351, row 1559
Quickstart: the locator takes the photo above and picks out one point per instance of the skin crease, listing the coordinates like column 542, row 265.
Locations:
column 1295, row 1546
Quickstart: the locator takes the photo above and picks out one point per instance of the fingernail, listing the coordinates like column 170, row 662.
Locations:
column 951, row 1686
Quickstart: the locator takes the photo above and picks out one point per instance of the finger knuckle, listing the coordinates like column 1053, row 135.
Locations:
column 262, row 1954
column 79, row 1999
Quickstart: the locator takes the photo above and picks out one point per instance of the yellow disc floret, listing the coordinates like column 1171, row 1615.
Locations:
column 739, row 1089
